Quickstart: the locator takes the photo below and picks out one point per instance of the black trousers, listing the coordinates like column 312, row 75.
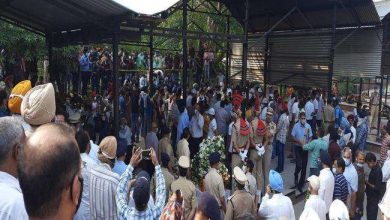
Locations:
column 194, row 146
column 301, row 158
column 372, row 208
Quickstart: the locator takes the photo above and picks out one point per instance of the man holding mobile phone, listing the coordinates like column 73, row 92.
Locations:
column 141, row 192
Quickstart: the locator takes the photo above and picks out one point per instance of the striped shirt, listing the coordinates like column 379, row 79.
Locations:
column 340, row 188
column 282, row 128
column 384, row 148
column 103, row 183
column 126, row 212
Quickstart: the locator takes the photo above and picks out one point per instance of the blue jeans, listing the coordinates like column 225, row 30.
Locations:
column 280, row 152
column 85, row 77
column 274, row 149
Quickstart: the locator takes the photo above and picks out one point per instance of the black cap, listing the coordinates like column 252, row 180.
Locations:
column 141, row 193
column 214, row 158
column 164, row 159
column 325, row 158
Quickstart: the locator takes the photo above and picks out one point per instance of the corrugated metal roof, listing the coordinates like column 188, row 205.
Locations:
column 49, row 15
column 265, row 13
column 359, row 55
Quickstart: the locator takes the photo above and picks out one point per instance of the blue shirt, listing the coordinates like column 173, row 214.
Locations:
column 302, row 132
column 119, row 167
column 84, row 63
column 184, row 122
column 338, row 113
column 340, row 188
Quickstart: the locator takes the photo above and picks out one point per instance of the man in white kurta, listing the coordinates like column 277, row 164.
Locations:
column 326, row 178
column 315, row 202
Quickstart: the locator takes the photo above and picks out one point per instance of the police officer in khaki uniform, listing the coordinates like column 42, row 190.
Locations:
column 186, row 187
column 258, row 133
column 374, row 108
column 269, row 137
column 213, row 182
column 240, row 205
column 164, row 145
column 240, row 140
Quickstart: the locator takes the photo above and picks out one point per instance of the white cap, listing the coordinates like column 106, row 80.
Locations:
column 211, row 111
column 338, row 210
column 184, row 162
column 239, row 175
column 314, row 182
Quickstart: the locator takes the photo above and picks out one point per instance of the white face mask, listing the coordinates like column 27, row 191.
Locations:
column 347, row 161
column 334, row 170
column 303, row 121
column 359, row 164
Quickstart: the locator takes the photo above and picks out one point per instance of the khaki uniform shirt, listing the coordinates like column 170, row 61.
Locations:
column 213, row 183
column 187, row 189
column 240, row 206
column 329, row 114
column 165, row 146
column 271, row 128
column 183, row 148
column 239, row 140
column 257, row 139
column 374, row 98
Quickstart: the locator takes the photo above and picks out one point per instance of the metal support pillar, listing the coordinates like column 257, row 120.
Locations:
column 227, row 64
column 50, row 53
column 151, row 52
column 347, row 88
column 331, row 57
column 380, row 105
column 369, row 87
column 245, row 44
column 360, row 89
column 387, row 85
column 116, row 82
column 184, row 44
column 266, row 56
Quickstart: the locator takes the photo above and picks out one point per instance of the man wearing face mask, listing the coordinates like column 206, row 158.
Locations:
column 49, row 173
column 302, row 135
column 359, row 166
column 352, row 178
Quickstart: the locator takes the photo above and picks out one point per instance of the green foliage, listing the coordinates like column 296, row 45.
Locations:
column 17, row 40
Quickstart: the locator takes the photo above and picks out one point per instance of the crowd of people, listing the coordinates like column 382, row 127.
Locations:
column 59, row 157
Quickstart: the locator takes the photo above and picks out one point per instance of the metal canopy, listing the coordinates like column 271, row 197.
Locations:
column 58, row 15
column 264, row 13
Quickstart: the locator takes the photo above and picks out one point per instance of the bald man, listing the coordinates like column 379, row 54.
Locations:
column 49, row 173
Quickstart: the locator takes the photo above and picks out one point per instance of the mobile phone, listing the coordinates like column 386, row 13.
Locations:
column 146, row 154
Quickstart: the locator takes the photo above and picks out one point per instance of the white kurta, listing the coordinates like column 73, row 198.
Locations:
column 277, row 207
column 318, row 205
column 326, row 187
